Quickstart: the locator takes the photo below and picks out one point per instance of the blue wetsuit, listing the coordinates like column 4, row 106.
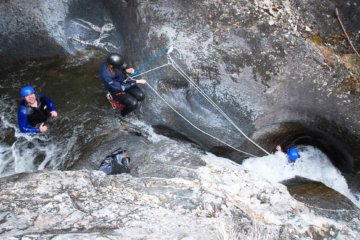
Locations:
column 29, row 117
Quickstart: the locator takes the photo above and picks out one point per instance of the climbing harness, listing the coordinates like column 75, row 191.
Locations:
column 171, row 62
column 114, row 104
column 111, row 100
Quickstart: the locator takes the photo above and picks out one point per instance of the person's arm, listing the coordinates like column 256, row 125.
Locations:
column 126, row 85
column 130, row 71
column 50, row 104
column 112, row 85
column 24, row 126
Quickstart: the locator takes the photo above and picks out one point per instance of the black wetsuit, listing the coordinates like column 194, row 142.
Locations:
column 126, row 93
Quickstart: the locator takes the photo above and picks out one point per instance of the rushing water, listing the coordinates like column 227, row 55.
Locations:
column 313, row 164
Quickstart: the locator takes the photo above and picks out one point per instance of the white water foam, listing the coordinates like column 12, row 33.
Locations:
column 147, row 130
column 313, row 164
column 21, row 152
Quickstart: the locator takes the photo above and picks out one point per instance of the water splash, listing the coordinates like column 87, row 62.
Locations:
column 57, row 149
column 313, row 164
column 23, row 152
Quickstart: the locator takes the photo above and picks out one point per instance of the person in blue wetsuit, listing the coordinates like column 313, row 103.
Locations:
column 292, row 153
column 34, row 110
column 115, row 76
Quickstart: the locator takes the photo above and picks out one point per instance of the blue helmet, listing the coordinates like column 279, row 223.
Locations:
column 293, row 154
column 27, row 91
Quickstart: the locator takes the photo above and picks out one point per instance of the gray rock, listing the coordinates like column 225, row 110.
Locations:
column 221, row 200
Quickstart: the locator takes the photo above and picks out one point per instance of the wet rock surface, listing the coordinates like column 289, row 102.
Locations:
column 260, row 60
column 210, row 200
column 312, row 193
column 41, row 29
column 256, row 59
column 26, row 32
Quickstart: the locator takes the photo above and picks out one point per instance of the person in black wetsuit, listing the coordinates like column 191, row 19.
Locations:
column 115, row 163
column 34, row 110
column 115, row 76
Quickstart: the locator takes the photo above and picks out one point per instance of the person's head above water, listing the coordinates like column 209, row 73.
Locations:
column 28, row 94
column 293, row 154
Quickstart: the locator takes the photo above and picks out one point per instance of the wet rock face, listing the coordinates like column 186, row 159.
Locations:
column 321, row 17
column 40, row 29
column 257, row 60
column 251, row 57
column 24, row 33
column 210, row 198
column 312, row 193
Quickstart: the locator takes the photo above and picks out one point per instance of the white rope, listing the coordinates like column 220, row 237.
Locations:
column 182, row 73
column 197, row 128
column 153, row 69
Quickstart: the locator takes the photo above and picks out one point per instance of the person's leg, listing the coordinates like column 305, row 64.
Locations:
column 128, row 101
column 136, row 92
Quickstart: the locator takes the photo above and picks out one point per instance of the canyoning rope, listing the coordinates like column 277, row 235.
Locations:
column 194, row 126
column 182, row 73
column 151, row 70
column 150, row 60
column 171, row 62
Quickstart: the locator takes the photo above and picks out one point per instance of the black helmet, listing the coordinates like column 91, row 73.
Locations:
column 115, row 59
